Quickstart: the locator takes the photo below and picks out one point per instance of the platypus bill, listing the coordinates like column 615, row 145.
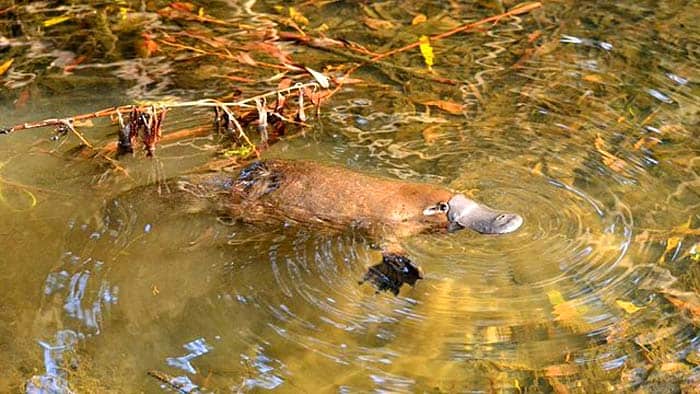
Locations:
column 311, row 193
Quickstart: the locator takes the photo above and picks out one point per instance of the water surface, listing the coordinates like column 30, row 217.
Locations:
column 584, row 118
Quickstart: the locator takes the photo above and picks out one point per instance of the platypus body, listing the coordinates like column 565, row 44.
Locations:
column 307, row 192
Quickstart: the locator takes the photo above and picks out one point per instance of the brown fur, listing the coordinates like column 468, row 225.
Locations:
column 308, row 192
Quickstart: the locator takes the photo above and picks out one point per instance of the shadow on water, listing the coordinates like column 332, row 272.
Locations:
column 581, row 117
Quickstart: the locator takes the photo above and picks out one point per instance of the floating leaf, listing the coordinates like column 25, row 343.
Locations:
column 319, row 77
column 449, row 106
column 655, row 335
column 56, row 20
column 627, row 306
column 537, row 169
column 6, row 66
column 686, row 301
column 146, row 46
column 593, row 78
column 83, row 123
column 560, row 370
column 378, row 24
column 671, row 246
column 182, row 6
column 555, row 297
column 245, row 58
column 611, row 161
column 420, row 18
column 427, row 51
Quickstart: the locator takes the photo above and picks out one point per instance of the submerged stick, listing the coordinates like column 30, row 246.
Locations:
column 470, row 26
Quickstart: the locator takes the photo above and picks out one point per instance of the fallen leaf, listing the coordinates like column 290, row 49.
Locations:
column 73, row 64
column 182, row 6
column 655, row 336
column 319, row 77
column 427, row 51
column 284, row 83
column 557, row 386
column 430, row 134
column 147, row 46
column 611, row 161
column 627, row 306
column 684, row 300
column 245, row 58
column 297, row 16
column 449, row 106
column 671, row 245
column 378, row 24
column 537, row 169
column 555, row 297
column 674, row 367
column 6, row 66
column 593, row 78
column 534, row 36
column 83, row 123
column 560, row 370
column 420, row 18
column 56, row 20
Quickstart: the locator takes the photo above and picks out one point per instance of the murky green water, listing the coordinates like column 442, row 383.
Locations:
column 584, row 118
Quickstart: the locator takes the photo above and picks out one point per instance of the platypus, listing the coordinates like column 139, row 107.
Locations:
column 307, row 192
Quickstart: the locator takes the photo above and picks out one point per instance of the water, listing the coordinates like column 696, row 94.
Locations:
column 582, row 118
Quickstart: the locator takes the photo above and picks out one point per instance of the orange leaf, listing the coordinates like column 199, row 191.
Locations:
column 6, row 66
column 148, row 46
column 71, row 66
column 284, row 83
column 560, row 370
column 449, row 106
column 182, row 6
column 420, row 18
column 245, row 58
column 593, row 78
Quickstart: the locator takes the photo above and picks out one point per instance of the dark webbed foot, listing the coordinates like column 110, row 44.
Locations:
column 392, row 273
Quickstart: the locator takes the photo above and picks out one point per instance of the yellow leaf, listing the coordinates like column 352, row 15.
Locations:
column 627, row 306
column 297, row 16
column 56, row 20
column 420, row 18
column 200, row 12
column 6, row 66
column 537, row 169
column 695, row 252
column 555, row 297
column 671, row 245
column 427, row 51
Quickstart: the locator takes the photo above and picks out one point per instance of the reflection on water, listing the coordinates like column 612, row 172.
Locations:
column 581, row 117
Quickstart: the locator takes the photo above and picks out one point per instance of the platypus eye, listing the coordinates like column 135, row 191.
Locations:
column 501, row 217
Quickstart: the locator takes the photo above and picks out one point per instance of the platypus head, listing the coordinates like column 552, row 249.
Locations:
column 465, row 213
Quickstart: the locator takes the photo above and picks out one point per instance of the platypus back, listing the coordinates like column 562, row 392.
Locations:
column 308, row 192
